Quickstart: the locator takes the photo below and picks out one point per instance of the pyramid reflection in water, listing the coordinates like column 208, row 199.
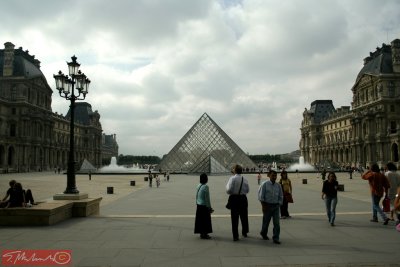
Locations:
column 205, row 148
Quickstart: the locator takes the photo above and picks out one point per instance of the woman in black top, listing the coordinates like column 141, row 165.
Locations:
column 329, row 194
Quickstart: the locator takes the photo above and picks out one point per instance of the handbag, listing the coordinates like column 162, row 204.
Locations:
column 231, row 198
column 386, row 204
column 288, row 197
column 229, row 204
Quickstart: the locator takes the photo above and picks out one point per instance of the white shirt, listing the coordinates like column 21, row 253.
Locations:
column 233, row 185
column 394, row 180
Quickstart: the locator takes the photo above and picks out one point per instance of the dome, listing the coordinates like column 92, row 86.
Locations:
column 378, row 62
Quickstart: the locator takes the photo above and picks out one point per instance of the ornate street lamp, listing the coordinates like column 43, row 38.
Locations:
column 66, row 86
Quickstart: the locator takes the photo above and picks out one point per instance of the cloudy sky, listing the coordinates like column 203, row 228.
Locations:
column 157, row 65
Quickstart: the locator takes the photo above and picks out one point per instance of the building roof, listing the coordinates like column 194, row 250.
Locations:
column 321, row 110
column 378, row 62
column 83, row 112
column 24, row 64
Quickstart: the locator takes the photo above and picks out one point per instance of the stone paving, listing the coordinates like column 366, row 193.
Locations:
column 143, row 226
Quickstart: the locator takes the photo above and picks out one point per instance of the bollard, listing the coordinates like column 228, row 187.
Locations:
column 110, row 190
column 304, row 181
column 133, row 183
column 340, row 187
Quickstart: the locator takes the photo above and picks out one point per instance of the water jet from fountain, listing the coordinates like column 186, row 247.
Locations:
column 301, row 166
column 114, row 168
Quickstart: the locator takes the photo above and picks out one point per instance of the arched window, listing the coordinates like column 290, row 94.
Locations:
column 13, row 130
column 395, row 152
column 10, row 159
column 364, row 128
column 13, row 93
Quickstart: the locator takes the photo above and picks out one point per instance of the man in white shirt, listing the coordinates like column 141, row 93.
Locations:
column 237, row 188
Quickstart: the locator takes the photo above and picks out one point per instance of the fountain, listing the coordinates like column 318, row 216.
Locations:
column 274, row 166
column 301, row 166
column 114, row 168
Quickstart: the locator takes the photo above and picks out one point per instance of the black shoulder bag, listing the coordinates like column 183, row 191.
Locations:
column 232, row 197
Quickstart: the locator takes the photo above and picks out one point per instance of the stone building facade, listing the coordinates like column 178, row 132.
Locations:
column 367, row 132
column 32, row 137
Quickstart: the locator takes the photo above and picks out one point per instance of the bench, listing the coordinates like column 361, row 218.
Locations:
column 86, row 207
column 49, row 213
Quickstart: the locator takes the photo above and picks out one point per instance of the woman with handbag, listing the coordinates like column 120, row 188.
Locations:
column 202, row 223
column 329, row 195
column 287, row 194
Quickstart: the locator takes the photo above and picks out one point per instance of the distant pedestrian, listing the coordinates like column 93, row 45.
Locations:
column 167, row 176
column 271, row 197
column 323, row 174
column 397, row 206
column 394, row 180
column 379, row 186
column 259, row 178
column 150, row 180
column 287, row 194
column 329, row 195
column 90, row 175
column 158, row 180
column 360, row 170
column 202, row 223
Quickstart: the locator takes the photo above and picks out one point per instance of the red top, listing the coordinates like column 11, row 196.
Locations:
column 378, row 182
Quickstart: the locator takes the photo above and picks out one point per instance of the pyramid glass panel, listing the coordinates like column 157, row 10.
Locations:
column 205, row 148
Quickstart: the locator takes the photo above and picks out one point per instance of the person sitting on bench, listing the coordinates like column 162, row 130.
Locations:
column 13, row 195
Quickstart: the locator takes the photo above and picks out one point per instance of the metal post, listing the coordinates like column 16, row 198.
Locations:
column 66, row 87
column 71, row 181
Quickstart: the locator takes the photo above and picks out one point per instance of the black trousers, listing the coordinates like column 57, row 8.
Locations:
column 29, row 196
column 239, row 211
column 285, row 208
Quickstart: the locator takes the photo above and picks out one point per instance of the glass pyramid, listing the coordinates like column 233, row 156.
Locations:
column 205, row 148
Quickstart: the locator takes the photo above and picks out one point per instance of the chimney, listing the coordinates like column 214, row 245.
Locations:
column 396, row 55
column 8, row 66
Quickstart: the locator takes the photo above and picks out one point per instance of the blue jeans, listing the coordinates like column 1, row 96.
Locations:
column 376, row 208
column 330, row 203
column 271, row 212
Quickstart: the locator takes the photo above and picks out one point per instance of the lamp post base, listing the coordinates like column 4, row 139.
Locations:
column 71, row 196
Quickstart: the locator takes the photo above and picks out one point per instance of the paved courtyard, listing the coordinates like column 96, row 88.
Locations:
column 143, row 226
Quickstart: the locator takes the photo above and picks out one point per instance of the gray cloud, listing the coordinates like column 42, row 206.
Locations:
column 157, row 65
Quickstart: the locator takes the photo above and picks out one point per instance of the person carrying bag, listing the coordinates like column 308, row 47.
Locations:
column 237, row 188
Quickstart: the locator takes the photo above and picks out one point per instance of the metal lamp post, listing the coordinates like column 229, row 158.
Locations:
column 66, row 85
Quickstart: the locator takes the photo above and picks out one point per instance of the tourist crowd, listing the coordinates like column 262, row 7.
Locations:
column 275, row 197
